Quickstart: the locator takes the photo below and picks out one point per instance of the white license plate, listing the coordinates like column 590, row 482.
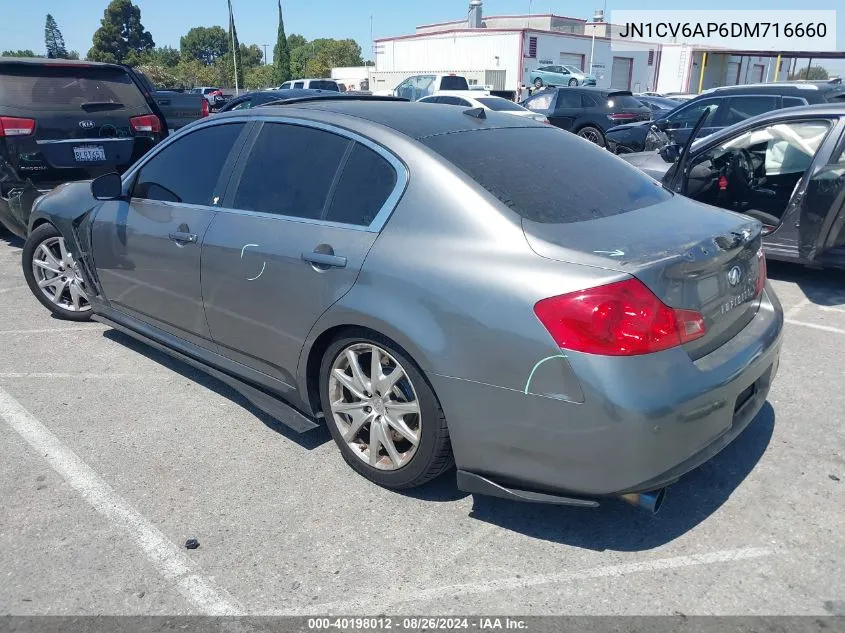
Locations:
column 89, row 153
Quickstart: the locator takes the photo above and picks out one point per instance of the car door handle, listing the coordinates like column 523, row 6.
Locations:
column 164, row 102
column 179, row 236
column 325, row 259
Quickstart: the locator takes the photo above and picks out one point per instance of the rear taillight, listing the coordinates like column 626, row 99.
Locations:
column 619, row 319
column 762, row 272
column 145, row 123
column 14, row 126
column 205, row 110
column 622, row 116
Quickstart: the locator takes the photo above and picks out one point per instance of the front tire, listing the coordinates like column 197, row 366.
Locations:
column 592, row 134
column 382, row 413
column 53, row 276
column 573, row 82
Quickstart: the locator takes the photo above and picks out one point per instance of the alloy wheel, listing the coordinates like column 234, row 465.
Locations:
column 58, row 276
column 590, row 135
column 374, row 406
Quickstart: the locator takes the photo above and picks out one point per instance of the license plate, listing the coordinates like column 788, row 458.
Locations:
column 89, row 153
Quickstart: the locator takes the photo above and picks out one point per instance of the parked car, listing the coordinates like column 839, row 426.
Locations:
column 175, row 107
column 728, row 105
column 660, row 106
column 66, row 120
column 472, row 99
column 681, row 96
column 311, row 84
column 560, row 76
column 421, row 253
column 260, row 97
column 419, row 86
column 587, row 112
column 785, row 168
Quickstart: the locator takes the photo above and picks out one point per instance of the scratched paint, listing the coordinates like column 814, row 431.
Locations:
column 263, row 264
column 536, row 367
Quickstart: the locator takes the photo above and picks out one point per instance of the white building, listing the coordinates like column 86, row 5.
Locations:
column 501, row 52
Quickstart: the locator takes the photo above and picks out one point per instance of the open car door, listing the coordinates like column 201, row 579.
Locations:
column 822, row 223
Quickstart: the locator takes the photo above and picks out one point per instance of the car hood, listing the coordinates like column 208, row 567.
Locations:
column 651, row 163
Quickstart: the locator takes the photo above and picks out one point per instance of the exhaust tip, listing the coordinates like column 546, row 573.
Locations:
column 649, row 501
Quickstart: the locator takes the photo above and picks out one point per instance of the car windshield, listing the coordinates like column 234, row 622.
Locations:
column 574, row 178
column 500, row 105
column 453, row 82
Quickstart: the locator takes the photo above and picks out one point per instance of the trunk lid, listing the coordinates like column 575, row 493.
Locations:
column 689, row 255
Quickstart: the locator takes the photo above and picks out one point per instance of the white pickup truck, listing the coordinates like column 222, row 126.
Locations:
column 418, row 86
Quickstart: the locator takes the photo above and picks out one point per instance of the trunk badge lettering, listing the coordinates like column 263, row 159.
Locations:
column 735, row 275
column 86, row 125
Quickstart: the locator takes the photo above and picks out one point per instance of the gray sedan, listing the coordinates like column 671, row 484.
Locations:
column 427, row 282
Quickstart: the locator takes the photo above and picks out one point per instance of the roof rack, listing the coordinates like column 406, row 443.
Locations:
column 330, row 96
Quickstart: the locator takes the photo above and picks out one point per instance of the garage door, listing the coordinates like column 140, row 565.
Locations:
column 732, row 76
column 572, row 59
column 620, row 77
column 757, row 73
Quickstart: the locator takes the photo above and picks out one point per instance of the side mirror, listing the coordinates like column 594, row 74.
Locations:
column 107, row 187
column 670, row 153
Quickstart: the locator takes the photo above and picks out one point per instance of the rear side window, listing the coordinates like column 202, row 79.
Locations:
column 453, row 83
column 38, row 87
column 741, row 108
column 291, row 170
column 366, row 183
column 535, row 176
column 791, row 102
column 187, row 170
column 324, row 85
column 568, row 99
column 298, row 84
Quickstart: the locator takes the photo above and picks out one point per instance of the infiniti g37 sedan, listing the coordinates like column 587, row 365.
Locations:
column 393, row 271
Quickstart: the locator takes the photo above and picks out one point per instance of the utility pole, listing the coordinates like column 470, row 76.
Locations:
column 265, row 53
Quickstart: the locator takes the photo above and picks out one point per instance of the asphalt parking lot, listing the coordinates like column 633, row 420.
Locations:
column 112, row 455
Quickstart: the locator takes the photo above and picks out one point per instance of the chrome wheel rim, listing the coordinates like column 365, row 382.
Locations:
column 374, row 406
column 57, row 276
column 591, row 136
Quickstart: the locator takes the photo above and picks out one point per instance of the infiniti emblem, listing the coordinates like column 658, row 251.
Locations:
column 86, row 125
column 734, row 275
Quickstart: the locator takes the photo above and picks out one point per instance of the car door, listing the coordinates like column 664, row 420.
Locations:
column 822, row 209
column 146, row 249
column 292, row 238
column 567, row 109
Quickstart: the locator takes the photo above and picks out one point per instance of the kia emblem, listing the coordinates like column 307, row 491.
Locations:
column 86, row 125
column 734, row 275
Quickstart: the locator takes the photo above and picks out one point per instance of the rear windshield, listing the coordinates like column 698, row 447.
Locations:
column 548, row 175
column 623, row 101
column 323, row 85
column 451, row 82
column 500, row 105
column 60, row 87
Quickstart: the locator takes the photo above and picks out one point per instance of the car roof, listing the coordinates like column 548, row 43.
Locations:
column 413, row 119
column 44, row 61
column 289, row 93
column 782, row 87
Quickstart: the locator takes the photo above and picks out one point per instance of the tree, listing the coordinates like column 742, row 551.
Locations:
column 260, row 77
column 73, row 55
column 205, row 44
column 121, row 36
column 812, row 73
column 295, row 41
column 236, row 48
column 281, row 53
column 20, row 53
column 53, row 39
column 328, row 53
column 251, row 56
column 164, row 56
column 299, row 57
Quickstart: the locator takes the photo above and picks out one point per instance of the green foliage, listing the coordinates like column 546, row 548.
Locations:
column 317, row 58
column 121, row 36
column 295, row 41
column 236, row 48
column 164, row 56
column 73, row 55
column 251, row 56
column 281, row 53
column 261, row 77
column 53, row 39
column 813, row 73
column 205, row 44
column 20, row 53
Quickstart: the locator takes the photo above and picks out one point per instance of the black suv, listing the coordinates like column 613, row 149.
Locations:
column 729, row 105
column 588, row 112
column 63, row 120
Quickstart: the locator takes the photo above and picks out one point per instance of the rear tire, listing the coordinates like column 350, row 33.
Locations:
column 592, row 134
column 53, row 276
column 391, row 409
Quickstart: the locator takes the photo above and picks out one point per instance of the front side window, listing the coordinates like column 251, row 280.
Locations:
column 689, row 116
column 188, row 170
column 285, row 86
column 741, row 108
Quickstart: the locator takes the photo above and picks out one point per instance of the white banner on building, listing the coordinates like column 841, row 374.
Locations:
column 752, row 30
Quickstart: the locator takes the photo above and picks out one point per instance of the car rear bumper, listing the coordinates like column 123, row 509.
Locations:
column 644, row 421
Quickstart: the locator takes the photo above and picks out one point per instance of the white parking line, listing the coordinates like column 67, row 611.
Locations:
column 375, row 603
column 791, row 312
column 816, row 326
column 170, row 561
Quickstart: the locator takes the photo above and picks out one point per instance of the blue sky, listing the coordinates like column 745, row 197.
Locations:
column 167, row 20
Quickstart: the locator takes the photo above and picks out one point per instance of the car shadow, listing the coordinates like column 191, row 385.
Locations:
column 308, row 440
column 617, row 526
column 10, row 238
column 824, row 287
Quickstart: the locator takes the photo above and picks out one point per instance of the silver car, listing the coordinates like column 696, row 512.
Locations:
column 428, row 282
